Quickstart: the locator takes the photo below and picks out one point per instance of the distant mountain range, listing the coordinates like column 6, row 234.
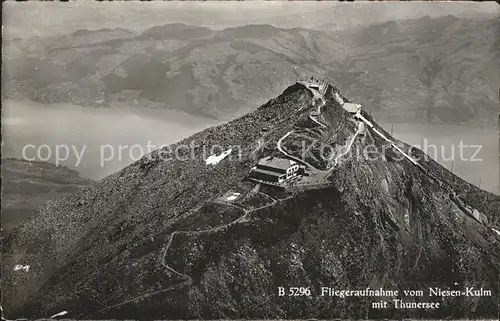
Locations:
column 428, row 69
column 26, row 186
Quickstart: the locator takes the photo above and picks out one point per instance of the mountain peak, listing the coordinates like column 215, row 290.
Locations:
column 307, row 190
column 250, row 31
column 179, row 31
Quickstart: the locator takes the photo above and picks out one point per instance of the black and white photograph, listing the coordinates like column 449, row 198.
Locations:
column 206, row 160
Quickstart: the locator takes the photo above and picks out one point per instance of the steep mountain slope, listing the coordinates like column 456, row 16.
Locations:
column 27, row 185
column 170, row 237
column 437, row 69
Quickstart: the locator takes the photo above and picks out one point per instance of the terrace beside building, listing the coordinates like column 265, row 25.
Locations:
column 274, row 169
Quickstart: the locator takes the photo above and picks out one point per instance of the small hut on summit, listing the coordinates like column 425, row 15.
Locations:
column 351, row 107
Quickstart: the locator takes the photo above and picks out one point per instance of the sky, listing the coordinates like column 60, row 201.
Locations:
column 30, row 19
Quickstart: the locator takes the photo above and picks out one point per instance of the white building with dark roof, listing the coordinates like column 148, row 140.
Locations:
column 274, row 169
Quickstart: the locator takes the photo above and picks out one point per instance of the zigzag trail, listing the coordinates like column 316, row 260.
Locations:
column 299, row 160
column 317, row 94
column 166, row 247
column 322, row 87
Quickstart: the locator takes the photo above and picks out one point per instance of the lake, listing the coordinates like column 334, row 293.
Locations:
column 101, row 141
column 96, row 141
column 471, row 152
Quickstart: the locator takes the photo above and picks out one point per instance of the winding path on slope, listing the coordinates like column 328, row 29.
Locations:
column 299, row 160
column 316, row 95
column 166, row 247
column 243, row 218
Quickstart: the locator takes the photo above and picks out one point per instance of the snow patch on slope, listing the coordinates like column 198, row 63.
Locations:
column 215, row 159
column 59, row 314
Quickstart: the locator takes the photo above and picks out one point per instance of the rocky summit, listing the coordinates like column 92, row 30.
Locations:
column 303, row 208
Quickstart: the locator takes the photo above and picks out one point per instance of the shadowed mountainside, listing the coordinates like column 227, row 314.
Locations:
column 161, row 239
